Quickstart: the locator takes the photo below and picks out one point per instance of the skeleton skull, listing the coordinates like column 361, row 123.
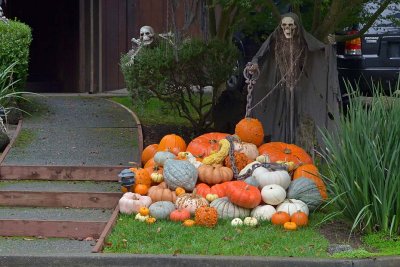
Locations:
column 146, row 35
column 288, row 26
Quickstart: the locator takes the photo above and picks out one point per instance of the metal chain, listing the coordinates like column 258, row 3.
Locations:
column 251, row 77
column 231, row 140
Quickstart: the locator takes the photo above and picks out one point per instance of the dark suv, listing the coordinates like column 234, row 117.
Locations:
column 375, row 57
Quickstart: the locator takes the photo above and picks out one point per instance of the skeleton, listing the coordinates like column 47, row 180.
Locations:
column 146, row 38
column 290, row 56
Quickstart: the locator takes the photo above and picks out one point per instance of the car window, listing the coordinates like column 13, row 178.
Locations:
column 389, row 20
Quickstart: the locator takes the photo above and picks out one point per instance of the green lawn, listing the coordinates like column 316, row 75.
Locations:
column 166, row 237
column 153, row 111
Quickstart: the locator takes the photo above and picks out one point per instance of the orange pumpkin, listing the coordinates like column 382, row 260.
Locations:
column 144, row 211
column 179, row 191
column 290, row 226
column 141, row 189
column 161, row 193
column 179, row 215
column 214, row 174
column 243, row 194
column 172, row 143
column 206, row 216
column 149, row 152
column 150, row 164
column 188, row 223
column 241, row 160
column 203, row 189
column 310, row 171
column 201, row 146
column 250, row 130
column 280, row 218
column 278, row 151
column 299, row 218
column 142, row 176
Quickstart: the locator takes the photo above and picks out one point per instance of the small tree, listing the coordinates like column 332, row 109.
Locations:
column 179, row 76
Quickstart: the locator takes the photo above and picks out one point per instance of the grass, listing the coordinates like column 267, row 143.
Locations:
column 25, row 138
column 165, row 237
column 153, row 111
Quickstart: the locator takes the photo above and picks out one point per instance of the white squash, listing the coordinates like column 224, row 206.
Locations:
column 247, row 167
column 189, row 157
column 250, row 221
column 293, row 205
column 263, row 159
column 273, row 194
column 236, row 222
column 249, row 149
column 141, row 218
column 266, row 177
column 131, row 202
column 263, row 212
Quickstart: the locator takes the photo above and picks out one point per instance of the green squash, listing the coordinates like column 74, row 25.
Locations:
column 180, row 173
column 161, row 156
column 227, row 209
column 305, row 190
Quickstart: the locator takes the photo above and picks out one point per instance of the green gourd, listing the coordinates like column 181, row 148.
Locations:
column 180, row 173
column 305, row 190
column 161, row 209
column 227, row 209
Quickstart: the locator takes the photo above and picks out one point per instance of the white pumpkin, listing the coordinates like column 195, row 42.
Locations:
column 273, row 194
column 293, row 205
column 248, row 167
column 250, row 221
column 236, row 222
column 266, row 177
column 249, row 149
column 263, row 212
column 131, row 202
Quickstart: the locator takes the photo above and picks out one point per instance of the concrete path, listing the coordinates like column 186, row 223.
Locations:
column 76, row 130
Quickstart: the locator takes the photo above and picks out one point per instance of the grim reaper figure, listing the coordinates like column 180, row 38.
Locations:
column 297, row 90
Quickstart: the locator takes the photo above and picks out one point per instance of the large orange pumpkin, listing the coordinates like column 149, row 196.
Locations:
column 278, row 151
column 150, row 163
column 243, row 194
column 149, row 152
column 201, row 146
column 250, row 130
column 203, row 189
column 310, row 171
column 172, row 143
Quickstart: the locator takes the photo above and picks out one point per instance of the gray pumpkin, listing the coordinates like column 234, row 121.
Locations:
column 305, row 190
column 161, row 156
column 227, row 209
column 180, row 173
column 161, row 209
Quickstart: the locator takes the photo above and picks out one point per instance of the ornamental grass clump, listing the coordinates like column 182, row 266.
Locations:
column 363, row 159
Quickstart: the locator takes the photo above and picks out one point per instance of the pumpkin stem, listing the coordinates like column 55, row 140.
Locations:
column 287, row 151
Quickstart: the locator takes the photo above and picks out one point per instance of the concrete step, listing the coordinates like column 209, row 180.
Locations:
column 54, row 214
column 59, row 186
column 44, row 246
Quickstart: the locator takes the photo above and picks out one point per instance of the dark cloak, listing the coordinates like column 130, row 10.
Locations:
column 316, row 94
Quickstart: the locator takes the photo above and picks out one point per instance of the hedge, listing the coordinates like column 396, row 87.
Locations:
column 15, row 39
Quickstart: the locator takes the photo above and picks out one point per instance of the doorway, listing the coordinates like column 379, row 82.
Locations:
column 54, row 52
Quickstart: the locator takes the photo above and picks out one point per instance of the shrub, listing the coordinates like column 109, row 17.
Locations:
column 363, row 163
column 15, row 38
column 172, row 75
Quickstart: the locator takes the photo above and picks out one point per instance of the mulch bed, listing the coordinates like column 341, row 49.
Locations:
column 152, row 134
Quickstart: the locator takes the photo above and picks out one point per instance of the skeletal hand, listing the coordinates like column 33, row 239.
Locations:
column 251, row 69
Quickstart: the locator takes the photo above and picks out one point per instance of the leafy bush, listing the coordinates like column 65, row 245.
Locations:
column 178, row 76
column 15, row 38
column 363, row 163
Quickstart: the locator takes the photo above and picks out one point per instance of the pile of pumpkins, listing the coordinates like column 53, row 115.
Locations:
column 271, row 181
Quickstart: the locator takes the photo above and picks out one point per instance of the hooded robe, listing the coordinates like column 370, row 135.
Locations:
column 316, row 93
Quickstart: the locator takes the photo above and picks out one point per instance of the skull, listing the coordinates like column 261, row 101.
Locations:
column 288, row 27
column 146, row 35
